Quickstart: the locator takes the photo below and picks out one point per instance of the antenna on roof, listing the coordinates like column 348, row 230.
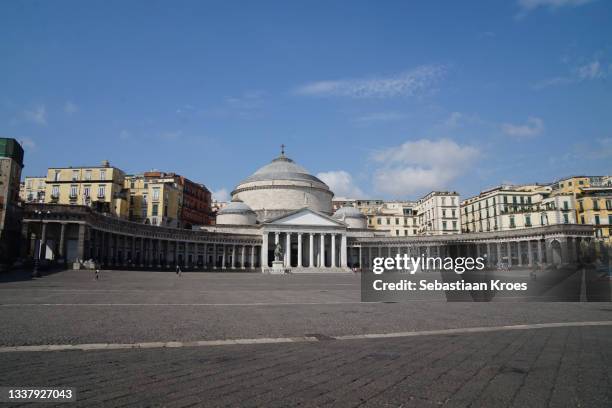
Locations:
column 282, row 150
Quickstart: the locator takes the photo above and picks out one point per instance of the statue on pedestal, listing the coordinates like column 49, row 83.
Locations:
column 278, row 252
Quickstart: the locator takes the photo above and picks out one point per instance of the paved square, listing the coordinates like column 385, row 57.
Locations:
column 235, row 339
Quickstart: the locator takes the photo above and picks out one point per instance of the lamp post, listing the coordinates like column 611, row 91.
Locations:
column 40, row 214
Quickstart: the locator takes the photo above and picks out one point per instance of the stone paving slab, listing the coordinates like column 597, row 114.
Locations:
column 501, row 369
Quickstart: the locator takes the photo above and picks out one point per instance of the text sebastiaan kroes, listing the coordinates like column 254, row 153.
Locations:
column 407, row 264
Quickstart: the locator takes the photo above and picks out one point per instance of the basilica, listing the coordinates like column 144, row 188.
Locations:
column 280, row 220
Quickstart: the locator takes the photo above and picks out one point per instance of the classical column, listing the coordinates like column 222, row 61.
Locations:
column 288, row 250
column 42, row 251
column 233, row 256
column 322, row 254
column 252, row 262
column 311, row 251
column 142, row 252
column 529, row 254
column 343, row 252
column 299, row 254
column 540, row 260
column 477, row 250
column 264, row 251
column 499, row 256
column 242, row 257
column 360, row 254
column 223, row 256
column 81, row 242
column 509, row 249
column 186, row 248
column 214, row 257
column 167, row 254
column 520, row 253
column 333, row 250
column 62, row 240
column 205, row 256
column 488, row 253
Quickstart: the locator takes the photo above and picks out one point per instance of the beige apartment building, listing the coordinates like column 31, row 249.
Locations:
column 155, row 199
column 592, row 200
column 509, row 207
column 32, row 190
column 100, row 187
column 439, row 213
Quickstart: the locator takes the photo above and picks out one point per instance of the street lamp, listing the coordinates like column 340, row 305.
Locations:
column 41, row 215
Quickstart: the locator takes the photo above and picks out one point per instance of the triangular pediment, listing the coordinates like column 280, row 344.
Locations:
column 305, row 216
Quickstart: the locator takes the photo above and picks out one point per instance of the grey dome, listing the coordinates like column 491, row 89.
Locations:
column 281, row 168
column 236, row 207
column 348, row 212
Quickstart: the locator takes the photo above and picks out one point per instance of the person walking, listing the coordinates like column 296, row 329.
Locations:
column 178, row 270
column 97, row 274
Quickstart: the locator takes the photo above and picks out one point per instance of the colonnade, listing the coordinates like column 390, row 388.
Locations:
column 507, row 252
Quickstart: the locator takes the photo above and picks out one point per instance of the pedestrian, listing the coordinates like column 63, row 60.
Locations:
column 178, row 270
column 97, row 275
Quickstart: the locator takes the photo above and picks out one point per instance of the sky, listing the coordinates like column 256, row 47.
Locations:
column 379, row 99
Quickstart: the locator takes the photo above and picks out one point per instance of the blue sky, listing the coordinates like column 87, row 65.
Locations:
column 382, row 99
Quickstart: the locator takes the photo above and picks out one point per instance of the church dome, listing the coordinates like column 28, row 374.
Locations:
column 282, row 186
column 281, row 168
column 351, row 216
column 236, row 213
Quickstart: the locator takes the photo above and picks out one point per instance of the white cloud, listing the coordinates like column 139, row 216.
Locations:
column 421, row 166
column 70, row 108
column 559, row 80
column 341, row 183
column 37, row 115
column 221, row 195
column 27, row 143
column 416, row 81
column 533, row 127
column 529, row 5
column 591, row 70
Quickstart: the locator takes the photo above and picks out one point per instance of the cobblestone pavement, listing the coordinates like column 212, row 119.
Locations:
column 566, row 366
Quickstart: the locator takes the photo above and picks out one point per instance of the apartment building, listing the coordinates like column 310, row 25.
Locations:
column 100, row 187
column 439, row 213
column 168, row 199
column 592, row 197
column 397, row 218
column 154, row 199
column 32, row 190
column 508, row 207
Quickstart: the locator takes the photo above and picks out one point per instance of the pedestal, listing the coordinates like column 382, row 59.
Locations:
column 278, row 267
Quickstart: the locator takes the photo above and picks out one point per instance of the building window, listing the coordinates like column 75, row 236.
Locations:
column 609, row 219
column 388, row 221
column 55, row 192
column 156, row 194
column 597, row 220
column 528, row 221
column 565, row 219
column 87, row 174
column 57, row 176
column 512, row 224
column 444, row 213
column 73, row 191
column 102, row 174
column 396, row 232
column 155, row 210
column 101, row 191
column 75, row 175
column 595, row 205
column 444, row 225
column 565, row 205
column 582, row 219
column 86, row 191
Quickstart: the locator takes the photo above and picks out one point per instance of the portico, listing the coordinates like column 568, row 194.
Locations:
column 309, row 241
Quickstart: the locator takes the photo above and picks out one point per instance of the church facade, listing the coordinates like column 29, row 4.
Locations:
column 279, row 211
